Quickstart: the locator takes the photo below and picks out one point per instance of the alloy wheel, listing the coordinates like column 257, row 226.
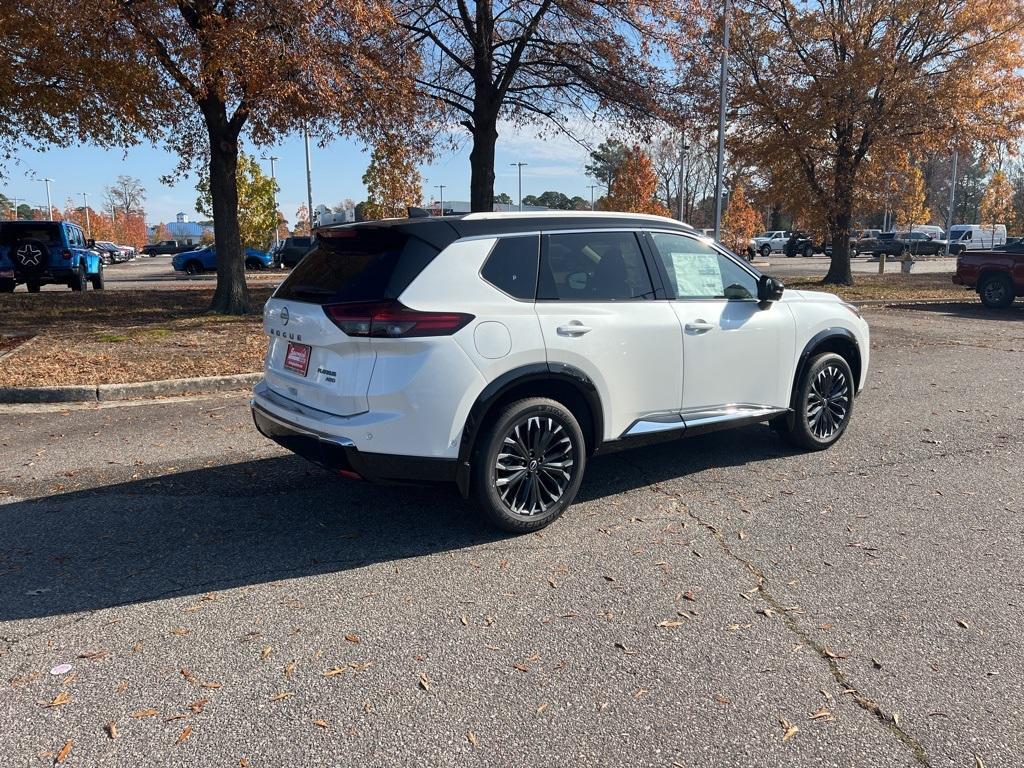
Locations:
column 994, row 291
column 534, row 466
column 828, row 402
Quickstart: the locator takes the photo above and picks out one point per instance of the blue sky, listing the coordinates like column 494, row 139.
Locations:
column 554, row 162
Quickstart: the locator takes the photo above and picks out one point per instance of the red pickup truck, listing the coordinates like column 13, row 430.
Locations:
column 997, row 275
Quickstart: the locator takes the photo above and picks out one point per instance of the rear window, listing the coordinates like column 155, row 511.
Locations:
column 357, row 264
column 46, row 232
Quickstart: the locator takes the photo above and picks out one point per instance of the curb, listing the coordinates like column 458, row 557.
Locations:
column 142, row 389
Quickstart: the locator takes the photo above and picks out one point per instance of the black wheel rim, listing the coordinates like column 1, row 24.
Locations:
column 828, row 402
column 535, row 465
column 995, row 291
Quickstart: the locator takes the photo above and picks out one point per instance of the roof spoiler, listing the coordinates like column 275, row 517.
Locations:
column 417, row 213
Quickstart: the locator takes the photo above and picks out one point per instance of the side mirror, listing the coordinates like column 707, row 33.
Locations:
column 91, row 243
column 769, row 288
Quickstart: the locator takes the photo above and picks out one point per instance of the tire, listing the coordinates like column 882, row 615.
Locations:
column 97, row 281
column 766, row 250
column 533, row 496
column 808, row 251
column 33, row 286
column 254, row 265
column 812, row 426
column 996, row 291
column 193, row 268
column 79, row 282
column 853, row 252
column 7, row 286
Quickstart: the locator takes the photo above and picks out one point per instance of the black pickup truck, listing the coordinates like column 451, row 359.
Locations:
column 167, row 247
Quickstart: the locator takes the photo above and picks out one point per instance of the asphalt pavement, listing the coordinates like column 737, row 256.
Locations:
column 148, row 272
column 718, row 601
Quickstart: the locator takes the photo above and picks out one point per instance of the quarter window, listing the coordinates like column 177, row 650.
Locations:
column 594, row 266
column 512, row 266
column 697, row 271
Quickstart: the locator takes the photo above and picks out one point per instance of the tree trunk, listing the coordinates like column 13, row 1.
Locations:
column 840, row 214
column 481, row 162
column 232, row 294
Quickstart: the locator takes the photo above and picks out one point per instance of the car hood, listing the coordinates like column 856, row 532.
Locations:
column 791, row 294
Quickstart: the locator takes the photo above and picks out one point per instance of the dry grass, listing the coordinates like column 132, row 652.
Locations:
column 889, row 287
column 113, row 337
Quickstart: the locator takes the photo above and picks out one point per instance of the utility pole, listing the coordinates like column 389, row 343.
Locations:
column 273, row 178
column 684, row 149
column 952, row 202
column 441, row 203
column 309, row 179
column 49, row 205
column 592, row 187
column 85, row 208
column 520, row 167
column 723, row 102
column 17, row 200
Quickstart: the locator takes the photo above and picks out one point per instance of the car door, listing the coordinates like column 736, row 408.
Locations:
column 600, row 314
column 737, row 352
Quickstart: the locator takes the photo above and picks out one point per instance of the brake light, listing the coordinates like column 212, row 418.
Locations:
column 392, row 320
column 67, row 254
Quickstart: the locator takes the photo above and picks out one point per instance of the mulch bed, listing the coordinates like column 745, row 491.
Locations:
column 114, row 337
column 889, row 287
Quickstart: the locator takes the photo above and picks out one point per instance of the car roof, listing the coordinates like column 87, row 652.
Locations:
column 441, row 231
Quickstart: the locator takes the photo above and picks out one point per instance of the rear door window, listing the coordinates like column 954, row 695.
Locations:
column 357, row 264
column 512, row 266
column 594, row 266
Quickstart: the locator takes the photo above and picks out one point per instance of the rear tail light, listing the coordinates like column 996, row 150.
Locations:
column 392, row 320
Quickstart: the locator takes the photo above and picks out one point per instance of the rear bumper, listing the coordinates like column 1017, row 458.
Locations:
column 340, row 454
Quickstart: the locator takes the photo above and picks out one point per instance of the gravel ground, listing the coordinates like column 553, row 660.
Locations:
column 701, row 601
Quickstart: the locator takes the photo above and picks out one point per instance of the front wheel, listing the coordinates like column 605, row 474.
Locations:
column 254, row 264
column 808, row 251
column 766, row 251
column 996, row 291
column 97, row 281
column 822, row 406
column 528, row 466
column 79, row 282
column 193, row 268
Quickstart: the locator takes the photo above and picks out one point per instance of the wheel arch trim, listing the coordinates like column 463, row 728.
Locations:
column 495, row 390
column 838, row 332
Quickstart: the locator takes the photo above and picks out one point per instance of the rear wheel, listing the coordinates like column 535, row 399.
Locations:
column 808, row 251
column 7, row 286
column 254, row 264
column 193, row 268
column 766, row 250
column 79, row 282
column 996, row 291
column 33, row 286
column 823, row 404
column 528, row 466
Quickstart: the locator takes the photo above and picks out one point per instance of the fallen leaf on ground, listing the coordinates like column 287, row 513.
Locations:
column 828, row 652
column 361, row 666
column 210, row 685
column 352, row 638
column 140, row 713
column 64, row 752
column 788, row 730
column 823, row 714
column 320, row 723
column 93, row 655
column 187, row 674
column 690, row 596
column 424, row 681
column 289, row 668
column 977, row 761
column 541, row 708
column 722, row 699
column 471, row 738
column 59, row 700
column 333, row 671
column 111, row 729
column 122, row 687
column 184, row 734
column 265, row 652
column 179, row 631
column 671, row 623
column 965, row 625
column 282, row 695
column 173, row 718
column 197, row 706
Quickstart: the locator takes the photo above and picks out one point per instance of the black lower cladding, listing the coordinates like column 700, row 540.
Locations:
column 377, row 467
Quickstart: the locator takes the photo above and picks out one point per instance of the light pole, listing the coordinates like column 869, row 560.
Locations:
column 273, row 178
column 684, row 155
column 723, row 101
column 85, row 208
column 17, row 200
column 592, row 187
column 309, row 179
column 952, row 201
column 520, row 167
column 49, row 205
column 441, row 193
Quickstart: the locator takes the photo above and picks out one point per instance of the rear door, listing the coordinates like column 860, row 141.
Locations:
column 599, row 313
column 310, row 359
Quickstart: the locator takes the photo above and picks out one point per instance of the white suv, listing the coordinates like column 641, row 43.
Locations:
column 500, row 351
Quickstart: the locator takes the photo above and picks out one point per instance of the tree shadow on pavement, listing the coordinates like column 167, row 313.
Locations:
column 971, row 310
column 223, row 527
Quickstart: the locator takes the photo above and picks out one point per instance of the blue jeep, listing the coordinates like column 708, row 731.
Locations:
column 41, row 252
column 205, row 259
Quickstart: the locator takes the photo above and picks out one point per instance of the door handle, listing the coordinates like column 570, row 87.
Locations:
column 574, row 328
column 699, row 326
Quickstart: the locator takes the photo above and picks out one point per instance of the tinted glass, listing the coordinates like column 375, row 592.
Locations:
column 357, row 264
column 594, row 266
column 12, row 231
column 512, row 266
column 697, row 271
